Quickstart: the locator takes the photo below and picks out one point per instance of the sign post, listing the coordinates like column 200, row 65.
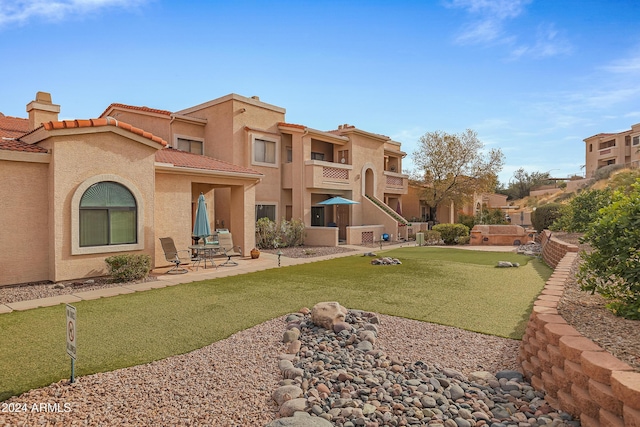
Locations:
column 71, row 337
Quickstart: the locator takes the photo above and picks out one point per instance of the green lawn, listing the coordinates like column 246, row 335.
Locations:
column 440, row 285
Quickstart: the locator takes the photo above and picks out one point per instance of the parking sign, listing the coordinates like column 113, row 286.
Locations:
column 71, row 331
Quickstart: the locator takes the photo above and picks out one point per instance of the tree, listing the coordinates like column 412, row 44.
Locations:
column 582, row 211
column 452, row 167
column 612, row 268
column 522, row 183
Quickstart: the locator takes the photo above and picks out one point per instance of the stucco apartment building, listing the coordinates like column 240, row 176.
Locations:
column 74, row 192
column 606, row 149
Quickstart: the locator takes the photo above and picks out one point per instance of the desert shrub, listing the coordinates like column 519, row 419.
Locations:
column 612, row 268
column 468, row 220
column 451, row 233
column 128, row 267
column 270, row 235
column 267, row 234
column 545, row 215
column 464, row 240
column 624, row 179
column 582, row 211
column 606, row 171
column 291, row 232
column 562, row 197
column 432, row 237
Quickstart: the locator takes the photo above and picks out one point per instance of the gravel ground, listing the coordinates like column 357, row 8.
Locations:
column 229, row 383
column 588, row 314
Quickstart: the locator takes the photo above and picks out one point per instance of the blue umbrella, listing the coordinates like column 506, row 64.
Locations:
column 201, row 227
column 338, row 201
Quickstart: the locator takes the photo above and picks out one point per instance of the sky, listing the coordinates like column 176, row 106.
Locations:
column 533, row 78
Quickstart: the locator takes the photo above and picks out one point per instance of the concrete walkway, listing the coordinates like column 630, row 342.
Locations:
column 245, row 265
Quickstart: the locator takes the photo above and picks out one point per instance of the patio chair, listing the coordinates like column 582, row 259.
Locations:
column 227, row 248
column 172, row 255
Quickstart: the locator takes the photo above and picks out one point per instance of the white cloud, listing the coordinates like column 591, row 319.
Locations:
column 549, row 42
column 487, row 27
column 625, row 66
column 22, row 11
column 488, row 24
column 500, row 9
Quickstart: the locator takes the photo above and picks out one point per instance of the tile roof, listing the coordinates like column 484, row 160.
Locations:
column 13, row 127
column 69, row 124
column 292, row 125
column 133, row 107
column 15, row 145
column 197, row 161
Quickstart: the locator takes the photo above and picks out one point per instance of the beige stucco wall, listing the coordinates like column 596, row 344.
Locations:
column 176, row 195
column 78, row 157
column 157, row 124
column 321, row 236
column 24, row 215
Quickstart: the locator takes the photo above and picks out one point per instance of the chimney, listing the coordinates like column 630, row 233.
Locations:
column 42, row 110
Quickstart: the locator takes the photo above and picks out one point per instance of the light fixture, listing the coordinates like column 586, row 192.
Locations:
column 279, row 255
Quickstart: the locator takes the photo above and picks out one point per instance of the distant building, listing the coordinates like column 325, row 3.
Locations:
column 606, row 149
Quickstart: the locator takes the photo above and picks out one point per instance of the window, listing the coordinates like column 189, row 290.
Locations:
column 266, row 211
column 108, row 215
column 590, row 148
column 317, row 156
column 264, row 151
column 189, row 145
column 289, row 155
column 636, row 140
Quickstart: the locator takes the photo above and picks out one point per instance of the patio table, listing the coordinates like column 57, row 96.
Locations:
column 206, row 252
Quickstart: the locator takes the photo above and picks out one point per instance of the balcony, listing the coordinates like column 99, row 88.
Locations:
column 615, row 152
column 327, row 175
column 395, row 183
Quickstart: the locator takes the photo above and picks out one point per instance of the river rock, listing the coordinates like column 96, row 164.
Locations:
column 288, row 408
column 327, row 314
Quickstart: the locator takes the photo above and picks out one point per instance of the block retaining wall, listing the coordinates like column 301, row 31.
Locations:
column 577, row 375
column 553, row 250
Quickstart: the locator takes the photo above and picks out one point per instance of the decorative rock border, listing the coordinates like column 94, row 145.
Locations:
column 333, row 375
column 577, row 375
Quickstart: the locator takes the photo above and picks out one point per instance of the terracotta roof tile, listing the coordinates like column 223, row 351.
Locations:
column 292, row 125
column 68, row 124
column 15, row 145
column 13, row 127
column 133, row 107
column 196, row 161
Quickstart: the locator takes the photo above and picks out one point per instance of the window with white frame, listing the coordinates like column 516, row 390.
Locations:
column 189, row 145
column 635, row 140
column 266, row 211
column 264, row 151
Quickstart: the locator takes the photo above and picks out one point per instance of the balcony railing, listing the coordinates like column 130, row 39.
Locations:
column 320, row 174
column 395, row 183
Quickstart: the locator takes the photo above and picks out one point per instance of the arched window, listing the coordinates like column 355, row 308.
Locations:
column 108, row 215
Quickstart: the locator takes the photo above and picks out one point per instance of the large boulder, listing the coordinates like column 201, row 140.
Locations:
column 327, row 314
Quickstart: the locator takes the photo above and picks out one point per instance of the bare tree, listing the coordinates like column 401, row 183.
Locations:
column 452, row 167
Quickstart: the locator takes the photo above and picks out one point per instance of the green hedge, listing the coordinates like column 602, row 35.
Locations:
column 451, row 233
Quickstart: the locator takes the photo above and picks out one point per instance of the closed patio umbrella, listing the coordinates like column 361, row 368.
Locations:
column 201, row 227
